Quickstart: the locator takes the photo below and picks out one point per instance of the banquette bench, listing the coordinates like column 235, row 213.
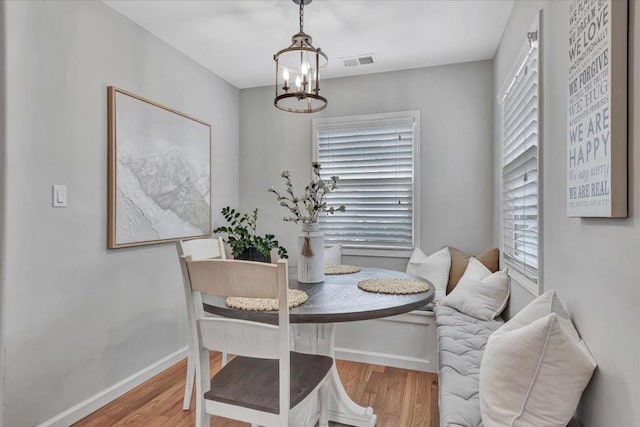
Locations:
column 461, row 343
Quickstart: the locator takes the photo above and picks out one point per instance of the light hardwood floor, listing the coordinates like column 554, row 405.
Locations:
column 400, row 398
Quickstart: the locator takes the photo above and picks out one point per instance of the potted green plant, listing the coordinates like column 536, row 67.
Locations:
column 242, row 237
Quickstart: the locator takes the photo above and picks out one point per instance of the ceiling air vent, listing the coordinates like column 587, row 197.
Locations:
column 355, row 61
column 350, row 62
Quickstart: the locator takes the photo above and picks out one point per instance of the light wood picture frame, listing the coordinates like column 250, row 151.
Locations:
column 159, row 172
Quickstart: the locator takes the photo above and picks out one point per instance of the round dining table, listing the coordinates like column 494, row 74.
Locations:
column 337, row 299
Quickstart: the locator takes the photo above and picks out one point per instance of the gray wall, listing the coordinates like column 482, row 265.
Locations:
column 78, row 318
column 593, row 263
column 456, row 155
column 3, row 168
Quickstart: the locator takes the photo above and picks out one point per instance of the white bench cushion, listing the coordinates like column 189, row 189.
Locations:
column 461, row 342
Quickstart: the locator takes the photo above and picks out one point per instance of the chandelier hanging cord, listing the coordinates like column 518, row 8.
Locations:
column 301, row 16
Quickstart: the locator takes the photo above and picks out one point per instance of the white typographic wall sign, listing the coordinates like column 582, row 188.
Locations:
column 597, row 109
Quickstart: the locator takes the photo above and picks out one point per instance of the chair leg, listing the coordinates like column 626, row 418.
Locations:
column 323, row 395
column 191, row 376
column 203, row 385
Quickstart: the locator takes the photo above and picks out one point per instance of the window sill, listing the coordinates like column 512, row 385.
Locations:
column 377, row 252
column 529, row 285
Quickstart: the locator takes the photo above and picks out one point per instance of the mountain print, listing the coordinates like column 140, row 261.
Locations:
column 161, row 195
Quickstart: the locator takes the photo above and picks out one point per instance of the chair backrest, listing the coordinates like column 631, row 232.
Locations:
column 197, row 249
column 201, row 248
column 234, row 278
column 241, row 337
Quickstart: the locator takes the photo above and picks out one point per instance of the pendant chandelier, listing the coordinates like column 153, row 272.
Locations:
column 298, row 73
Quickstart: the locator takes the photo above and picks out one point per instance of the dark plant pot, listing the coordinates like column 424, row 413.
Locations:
column 252, row 254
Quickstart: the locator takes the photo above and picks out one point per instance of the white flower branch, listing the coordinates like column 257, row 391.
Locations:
column 313, row 199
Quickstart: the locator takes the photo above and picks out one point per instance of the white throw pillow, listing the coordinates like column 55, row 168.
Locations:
column 434, row 268
column 536, row 309
column 534, row 368
column 479, row 293
column 333, row 255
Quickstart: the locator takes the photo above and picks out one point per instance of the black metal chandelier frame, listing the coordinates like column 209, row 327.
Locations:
column 305, row 97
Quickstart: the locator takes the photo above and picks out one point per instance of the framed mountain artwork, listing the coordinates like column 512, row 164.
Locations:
column 159, row 172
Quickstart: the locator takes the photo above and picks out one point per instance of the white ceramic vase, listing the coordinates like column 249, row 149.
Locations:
column 310, row 254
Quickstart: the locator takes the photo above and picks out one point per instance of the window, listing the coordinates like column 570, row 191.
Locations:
column 520, row 171
column 374, row 157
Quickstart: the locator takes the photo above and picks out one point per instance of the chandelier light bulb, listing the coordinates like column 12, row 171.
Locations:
column 298, row 82
column 304, row 68
column 285, row 75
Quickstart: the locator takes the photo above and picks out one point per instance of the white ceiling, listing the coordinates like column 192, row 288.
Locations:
column 236, row 39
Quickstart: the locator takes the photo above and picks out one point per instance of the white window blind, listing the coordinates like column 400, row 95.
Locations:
column 520, row 239
column 375, row 163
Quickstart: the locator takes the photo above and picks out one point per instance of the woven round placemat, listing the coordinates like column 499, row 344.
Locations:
column 296, row 297
column 393, row 286
column 333, row 269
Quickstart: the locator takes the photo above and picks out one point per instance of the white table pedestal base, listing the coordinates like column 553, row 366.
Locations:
column 319, row 339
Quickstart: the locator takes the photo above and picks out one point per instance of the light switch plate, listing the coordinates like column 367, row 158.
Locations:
column 59, row 194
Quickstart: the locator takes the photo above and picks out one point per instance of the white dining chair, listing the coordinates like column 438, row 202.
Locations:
column 265, row 380
column 197, row 249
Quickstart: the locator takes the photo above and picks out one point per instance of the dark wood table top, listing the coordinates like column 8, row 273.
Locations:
column 337, row 299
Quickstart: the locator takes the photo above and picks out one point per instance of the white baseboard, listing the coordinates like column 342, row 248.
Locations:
column 386, row 359
column 97, row 401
